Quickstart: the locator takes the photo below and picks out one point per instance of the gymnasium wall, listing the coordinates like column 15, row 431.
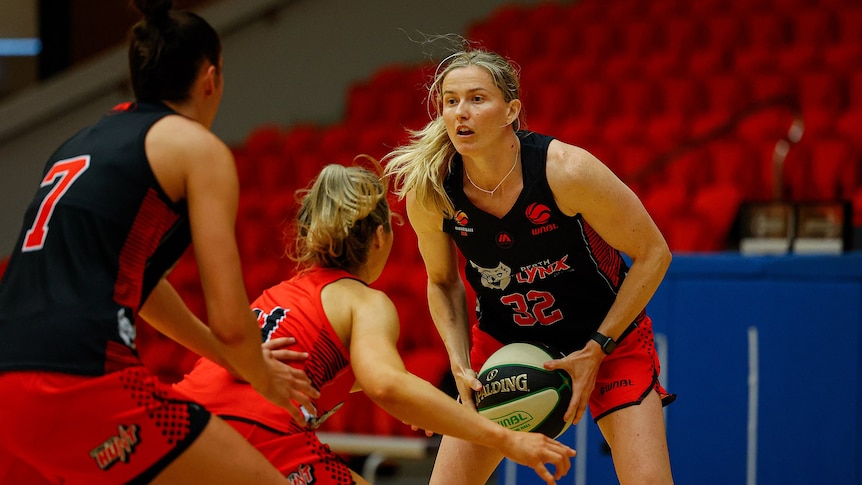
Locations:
column 765, row 355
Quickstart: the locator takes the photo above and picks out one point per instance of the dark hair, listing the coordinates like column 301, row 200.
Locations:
column 166, row 50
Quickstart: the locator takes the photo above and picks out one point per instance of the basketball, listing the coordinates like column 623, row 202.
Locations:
column 519, row 394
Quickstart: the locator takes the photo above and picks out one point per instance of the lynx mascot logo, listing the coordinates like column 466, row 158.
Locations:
column 494, row 278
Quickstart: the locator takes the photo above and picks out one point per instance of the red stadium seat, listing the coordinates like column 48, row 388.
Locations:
column 621, row 66
column 689, row 233
column 683, row 33
column 577, row 130
column 798, row 58
column 716, row 59
column 599, row 40
column 725, row 31
column 551, row 101
column 854, row 89
column 797, row 174
column 718, row 206
column 766, row 28
column 843, row 57
column 822, row 90
column 665, row 202
column 264, row 140
column 814, row 25
column 560, row 42
column 665, row 63
column 835, row 169
column 708, row 8
column 640, row 37
column 849, row 20
column 727, row 92
column 625, row 129
column 595, row 98
column 639, row 97
column 689, row 168
column 683, row 95
column 737, row 163
column 667, row 131
column 755, row 59
column 848, row 125
column 857, row 207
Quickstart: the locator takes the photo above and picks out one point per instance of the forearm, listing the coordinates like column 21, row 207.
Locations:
column 240, row 348
column 641, row 283
column 417, row 402
column 448, row 307
column 165, row 311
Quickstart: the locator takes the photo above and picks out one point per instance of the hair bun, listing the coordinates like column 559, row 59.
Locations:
column 154, row 8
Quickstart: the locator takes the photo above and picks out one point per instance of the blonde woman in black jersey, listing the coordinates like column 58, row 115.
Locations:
column 542, row 225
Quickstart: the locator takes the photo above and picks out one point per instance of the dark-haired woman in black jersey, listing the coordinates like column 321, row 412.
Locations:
column 118, row 204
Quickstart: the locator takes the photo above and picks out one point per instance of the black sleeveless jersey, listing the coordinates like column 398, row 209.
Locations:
column 97, row 237
column 539, row 275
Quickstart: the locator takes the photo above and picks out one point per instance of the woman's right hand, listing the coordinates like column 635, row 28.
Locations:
column 537, row 451
column 467, row 383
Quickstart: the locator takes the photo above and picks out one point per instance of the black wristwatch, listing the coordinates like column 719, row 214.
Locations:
column 607, row 343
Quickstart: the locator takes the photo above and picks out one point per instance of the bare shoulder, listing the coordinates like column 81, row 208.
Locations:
column 184, row 136
column 576, row 176
column 566, row 160
column 351, row 305
column 421, row 217
column 349, row 295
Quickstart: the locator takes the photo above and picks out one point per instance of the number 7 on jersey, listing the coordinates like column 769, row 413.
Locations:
column 64, row 173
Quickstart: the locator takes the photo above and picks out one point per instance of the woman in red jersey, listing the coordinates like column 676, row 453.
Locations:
column 349, row 331
column 118, row 204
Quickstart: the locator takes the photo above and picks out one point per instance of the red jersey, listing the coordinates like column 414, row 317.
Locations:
column 289, row 309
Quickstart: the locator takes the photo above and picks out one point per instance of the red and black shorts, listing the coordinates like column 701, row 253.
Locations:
column 122, row 427
column 301, row 457
column 625, row 377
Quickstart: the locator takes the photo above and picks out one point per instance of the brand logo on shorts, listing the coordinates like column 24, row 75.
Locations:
column 615, row 385
column 304, row 475
column 116, row 448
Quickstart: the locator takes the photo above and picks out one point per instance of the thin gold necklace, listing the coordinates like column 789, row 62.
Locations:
column 491, row 192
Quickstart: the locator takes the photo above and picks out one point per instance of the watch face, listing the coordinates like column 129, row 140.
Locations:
column 606, row 342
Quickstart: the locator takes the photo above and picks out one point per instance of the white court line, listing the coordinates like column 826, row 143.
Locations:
column 581, row 448
column 753, row 397
column 511, row 472
column 661, row 350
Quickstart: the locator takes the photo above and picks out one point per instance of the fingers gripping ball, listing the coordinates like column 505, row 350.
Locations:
column 519, row 394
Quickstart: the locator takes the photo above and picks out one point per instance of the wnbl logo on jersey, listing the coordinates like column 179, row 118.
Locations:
column 539, row 214
column 461, row 221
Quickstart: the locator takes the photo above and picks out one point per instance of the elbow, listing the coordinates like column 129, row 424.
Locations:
column 229, row 335
column 384, row 392
column 664, row 257
column 657, row 257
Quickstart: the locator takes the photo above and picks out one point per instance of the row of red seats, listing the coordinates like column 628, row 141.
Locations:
column 561, row 100
column 561, row 31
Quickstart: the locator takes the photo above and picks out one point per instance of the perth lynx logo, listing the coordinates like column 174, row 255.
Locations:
column 116, row 448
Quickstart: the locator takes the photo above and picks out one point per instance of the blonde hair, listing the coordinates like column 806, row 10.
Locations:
column 422, row 164
column 338, row 216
